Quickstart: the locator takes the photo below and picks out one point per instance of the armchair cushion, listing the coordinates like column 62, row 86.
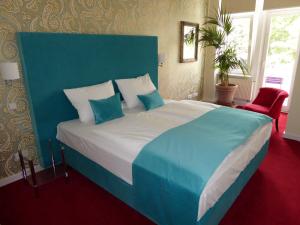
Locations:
column 256, row 108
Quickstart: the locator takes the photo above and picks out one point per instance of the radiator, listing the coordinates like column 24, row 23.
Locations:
column 244, row 90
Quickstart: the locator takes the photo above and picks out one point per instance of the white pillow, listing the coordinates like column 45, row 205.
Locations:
column 131, row 88
column 79, row 97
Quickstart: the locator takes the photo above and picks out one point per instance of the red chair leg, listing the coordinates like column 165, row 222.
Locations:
column 277, row 121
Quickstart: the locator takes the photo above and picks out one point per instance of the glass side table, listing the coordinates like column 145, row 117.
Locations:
column 37, row 179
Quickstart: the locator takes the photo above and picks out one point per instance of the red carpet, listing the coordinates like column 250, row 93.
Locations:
column 272, row 197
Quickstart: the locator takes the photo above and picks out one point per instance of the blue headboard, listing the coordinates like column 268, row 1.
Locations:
column 54, row 61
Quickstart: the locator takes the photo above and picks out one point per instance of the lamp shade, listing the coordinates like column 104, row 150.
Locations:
column 9, row 71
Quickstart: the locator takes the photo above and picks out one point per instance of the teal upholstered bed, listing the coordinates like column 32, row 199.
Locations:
column 53, row 62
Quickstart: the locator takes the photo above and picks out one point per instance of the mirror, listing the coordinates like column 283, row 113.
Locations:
column 188, row 42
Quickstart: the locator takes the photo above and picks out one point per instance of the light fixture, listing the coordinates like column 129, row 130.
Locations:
column 9, row 72
column 161, row 59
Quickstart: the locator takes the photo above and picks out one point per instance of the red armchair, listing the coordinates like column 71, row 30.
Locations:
column 269, row 101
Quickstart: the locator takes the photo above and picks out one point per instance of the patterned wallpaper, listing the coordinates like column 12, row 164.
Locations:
column 148, row 17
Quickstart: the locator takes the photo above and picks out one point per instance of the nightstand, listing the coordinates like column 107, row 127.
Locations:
column 37, row 179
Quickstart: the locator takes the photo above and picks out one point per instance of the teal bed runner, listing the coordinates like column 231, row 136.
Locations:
column 171, row 171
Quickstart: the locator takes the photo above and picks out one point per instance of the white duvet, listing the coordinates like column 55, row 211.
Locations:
column 115, row 144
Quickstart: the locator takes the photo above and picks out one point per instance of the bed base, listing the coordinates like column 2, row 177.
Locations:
column 125, row 193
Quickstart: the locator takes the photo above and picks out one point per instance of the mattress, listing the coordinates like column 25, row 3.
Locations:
column 114, row 145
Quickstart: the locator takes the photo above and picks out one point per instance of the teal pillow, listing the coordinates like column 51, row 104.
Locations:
column 152, row 100
column 107, row 109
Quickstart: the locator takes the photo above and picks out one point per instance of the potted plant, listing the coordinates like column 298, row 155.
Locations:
column 214, row 33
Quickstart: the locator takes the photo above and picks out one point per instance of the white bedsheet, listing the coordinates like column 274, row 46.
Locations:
column 115, row 144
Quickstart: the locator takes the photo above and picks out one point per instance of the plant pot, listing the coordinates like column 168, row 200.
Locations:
column 225, row 94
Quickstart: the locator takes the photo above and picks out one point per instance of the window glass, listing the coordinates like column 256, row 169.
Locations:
column 241, row 37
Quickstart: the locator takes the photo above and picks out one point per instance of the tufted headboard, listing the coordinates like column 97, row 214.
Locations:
column 52, row 62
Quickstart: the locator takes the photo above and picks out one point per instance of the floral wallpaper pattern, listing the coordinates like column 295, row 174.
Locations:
column 147, row 17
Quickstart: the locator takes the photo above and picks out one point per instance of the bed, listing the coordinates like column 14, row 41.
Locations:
column 109, row 154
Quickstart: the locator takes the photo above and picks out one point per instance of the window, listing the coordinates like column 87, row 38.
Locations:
column 241, row 37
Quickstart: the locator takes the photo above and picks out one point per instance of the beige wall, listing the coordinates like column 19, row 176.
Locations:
column 293, row 125
column 148, row 17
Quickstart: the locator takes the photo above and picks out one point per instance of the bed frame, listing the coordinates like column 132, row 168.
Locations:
column 52, row 62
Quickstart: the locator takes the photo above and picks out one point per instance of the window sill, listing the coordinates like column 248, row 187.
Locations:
column 240, row 76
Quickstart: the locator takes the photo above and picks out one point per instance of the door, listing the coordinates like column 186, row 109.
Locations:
column 280, row 51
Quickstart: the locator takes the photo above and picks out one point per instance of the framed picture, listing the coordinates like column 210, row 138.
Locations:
column 188, row 42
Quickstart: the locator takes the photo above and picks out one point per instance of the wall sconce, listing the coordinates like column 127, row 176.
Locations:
column 161, row 59
column 9, row 72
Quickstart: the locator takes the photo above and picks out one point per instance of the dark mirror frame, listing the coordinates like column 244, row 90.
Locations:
column 196, row 26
